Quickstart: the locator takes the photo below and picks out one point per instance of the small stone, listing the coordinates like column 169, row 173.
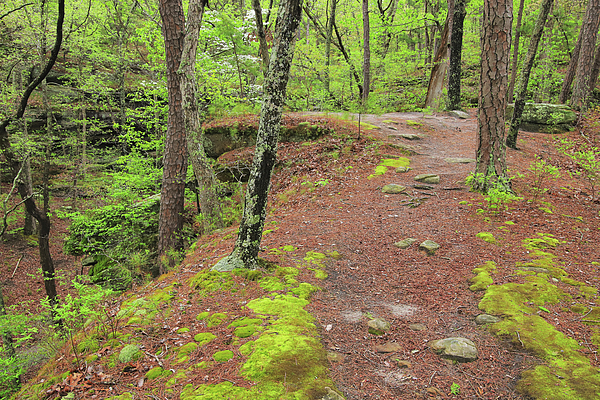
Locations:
column 483, row 319
column 402, row 169
column 429, row 247
column 378, row 326
column 458, row 114
column 392, row 128
column 455, row 348
column 423, row 187
column 332, row 395
column 417, row 327
column 393, row 188
column 405, row 243
column 404, row 364
column 428, row 178
column 389, row 347
column 459, row 160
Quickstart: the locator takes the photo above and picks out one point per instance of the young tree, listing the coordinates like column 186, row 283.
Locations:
column 511, row 140
column 366, row 52
column 490, row 170
column 175, row 157
column 245, row 251
column 515, row 59
column 209, row 202
column 585, row 62
column 455, row 54
column 15, row 164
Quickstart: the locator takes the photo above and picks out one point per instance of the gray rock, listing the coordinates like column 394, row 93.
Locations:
column 459, row 160
column 423, row 187
column 89, row 260
column 404, row 364
column 545, row 117
column 429, row 246
column 455, row 348
column 400, row 170
column 378, row 326
column 458, row 114
column 332, row 395
column 428, row 178
column 410, row 136
column 393, row 188
column 417, row 327
column 405, row 243
column 483, row 319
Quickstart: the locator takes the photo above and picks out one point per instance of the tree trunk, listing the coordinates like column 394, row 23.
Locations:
column 29, row 224
column 263, row 48
column 570, row 74
column 245, row 252
column 595, row 69
column 209, row 202
column 490, row 170
column 515, row 59
column 328, row 38
column 387, row 17
column 175, row 161
column 438, row 72
column 366, row 53
column 511, row 140
column 455, row 55
column 585, row 62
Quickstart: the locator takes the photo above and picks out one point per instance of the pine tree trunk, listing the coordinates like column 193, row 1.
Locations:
column 455, row 55
column 175, row 157
column 247, row 245
column 515, row 59
column 570, row 74
column 511, row 140
column 440, row 66
column 209, row 201
column 490, row 170
column 585, row 62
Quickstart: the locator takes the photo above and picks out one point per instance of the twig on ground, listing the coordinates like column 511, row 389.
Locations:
column 17, row 266
column 430, row 379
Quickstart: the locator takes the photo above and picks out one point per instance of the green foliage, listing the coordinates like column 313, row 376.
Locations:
column 541, row 173
column 455, row 389
column 498, row 194
column 587, row 159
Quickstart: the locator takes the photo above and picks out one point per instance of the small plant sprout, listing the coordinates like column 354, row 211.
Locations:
column 455, row 389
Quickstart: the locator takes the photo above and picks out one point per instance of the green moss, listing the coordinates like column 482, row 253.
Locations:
column 288, row 248
column 304, row 290
column 413, row 123
column 183, row 354
column 223, row 355
column 245, row 331
column 245, row 322
column 544, row 241
column 334, row 254
column 313, row 255
column 247, row 348
column 158, row 372
column 319, row 273
column 216, row 319
column 482, row 278
column 389, row 162
column 88, row 345
column 210, row 281
column 91, row 358
column 509, row 223
column 248, row 274
column 124, row 396
column 202, row 316
column 176, row 378
column 204, row 338
column 579, row 308
column 271, row 284
column 588, row 291
column 487, row 237
column 131, row 352
column 183, row 330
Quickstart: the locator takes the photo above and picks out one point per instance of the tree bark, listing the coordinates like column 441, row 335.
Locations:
column 366, row 52
column 515, row 59
column 585, row 62
column 440, row 66
column 328, row 38
column 511, row 140
column 565, row 90
column 209, row 201
column 455, row 55
column 245, row 252
column 14, row 164
column 263, row 48
column 595, row 69
column 175, row 160
column 490, row 170
column 387, row 17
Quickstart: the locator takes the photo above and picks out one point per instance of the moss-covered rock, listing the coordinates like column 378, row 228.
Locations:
column 223, row 355
column 129, row 353
column 204, row 338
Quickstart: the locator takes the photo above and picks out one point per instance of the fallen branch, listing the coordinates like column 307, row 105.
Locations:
column 18, row 262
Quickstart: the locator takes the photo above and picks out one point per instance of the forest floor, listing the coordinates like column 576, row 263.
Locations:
column 325, row 200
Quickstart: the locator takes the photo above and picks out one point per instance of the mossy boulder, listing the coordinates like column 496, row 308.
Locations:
column 129, row 353
column 204, row 338
column 545, row 117
column 223, row 355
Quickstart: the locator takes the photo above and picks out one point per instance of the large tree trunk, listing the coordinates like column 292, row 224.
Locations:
column 455, row 55
column 490, row 170
column 511, row 140
column 366, row 52
column 585, row 62
column 14, row 164
column 565, row 90
column 440, row 66
column 515, row 59
column 209, row 201
column 175, row 162
column 245, row 252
